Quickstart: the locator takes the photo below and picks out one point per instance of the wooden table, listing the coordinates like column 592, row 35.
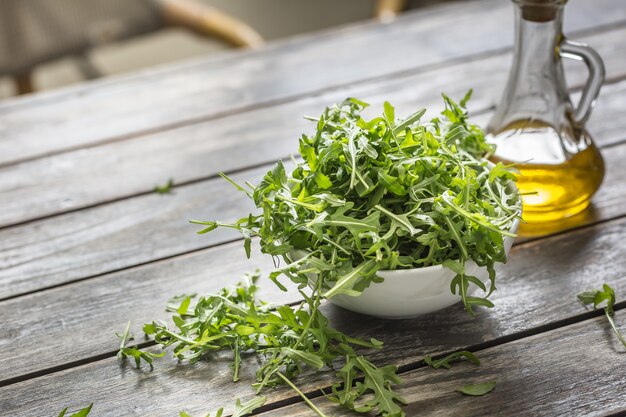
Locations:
column 86, row 245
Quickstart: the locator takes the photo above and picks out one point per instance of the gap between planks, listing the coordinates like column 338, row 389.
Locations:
column 296, row 97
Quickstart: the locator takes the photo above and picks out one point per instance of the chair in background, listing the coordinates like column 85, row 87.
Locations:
column 387, row 10
column 33, row 32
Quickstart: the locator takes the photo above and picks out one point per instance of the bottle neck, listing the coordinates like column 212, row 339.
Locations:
column 535, row 90
column 536, row 43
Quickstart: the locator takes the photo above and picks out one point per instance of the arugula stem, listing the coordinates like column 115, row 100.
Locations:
column 301, row 394
column 125, row 336
column 276, row 362
column 236, row 359
column 314, row 307
column 457, row 237
column 615, row 329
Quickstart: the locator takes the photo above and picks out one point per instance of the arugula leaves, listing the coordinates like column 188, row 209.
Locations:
column 165, row 188
column 479, row 389
column 133, row 352
column 383, row 194
column 607, row 294
column 445, row 362
column 240, row 409
column 288, row 340
column 376, row 381
column 369, row 195
column 81, row 413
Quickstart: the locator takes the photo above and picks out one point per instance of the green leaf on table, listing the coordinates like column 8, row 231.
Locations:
column 218, row 413
column 134, row 352
column 165, row 188
column 478, row 389
column 606, row 294
column 241, row 409
column 375, row 392
column 446, row 361
column 249, row 406
column 81, row 413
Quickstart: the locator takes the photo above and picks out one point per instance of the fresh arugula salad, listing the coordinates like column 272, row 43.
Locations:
column 384, row 194
column 367, row 195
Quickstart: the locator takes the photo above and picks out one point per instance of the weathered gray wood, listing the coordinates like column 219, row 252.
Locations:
column 138, row 230
column 571, row 371
column 157, row 99
column 117, row 235
column 537, row 287
column 605, row 126
column 91, row 176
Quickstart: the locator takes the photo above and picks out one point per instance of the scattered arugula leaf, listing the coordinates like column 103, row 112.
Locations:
column 165, row 188
column 456, row 356
column 376, row 381
column 218, row 413
column 249, row 406
column 240, row 409
column 607, row 294
column 81, row 413
column 477, row 390
column 384, row 194
column 134, row 352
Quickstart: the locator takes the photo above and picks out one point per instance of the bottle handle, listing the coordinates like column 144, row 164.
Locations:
column 582, row 52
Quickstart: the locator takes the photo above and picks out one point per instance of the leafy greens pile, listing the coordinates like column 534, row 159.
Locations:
column 384, row 194
column 288, row 340
column 367, row 196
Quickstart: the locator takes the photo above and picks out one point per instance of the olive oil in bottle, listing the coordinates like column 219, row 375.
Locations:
column 557, row 176
column 538, row 128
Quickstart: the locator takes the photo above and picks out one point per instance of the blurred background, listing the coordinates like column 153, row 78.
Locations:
column 46, row 44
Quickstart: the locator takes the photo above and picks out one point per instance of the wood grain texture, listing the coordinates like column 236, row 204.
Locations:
column 537, row 287
column 205, row 88
column 571, row 371
column 117, row 235
column 135, row 231
column 87, row 177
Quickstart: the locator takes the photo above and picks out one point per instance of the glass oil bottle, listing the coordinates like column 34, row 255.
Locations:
column 536, row 127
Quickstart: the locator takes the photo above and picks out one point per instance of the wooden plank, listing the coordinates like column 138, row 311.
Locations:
column 549, row 374
column 206, row 88
column 130, row 232
column 88, row 177
column 537, row 287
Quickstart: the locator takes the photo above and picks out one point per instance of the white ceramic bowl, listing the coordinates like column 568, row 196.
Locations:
column 406, row 293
